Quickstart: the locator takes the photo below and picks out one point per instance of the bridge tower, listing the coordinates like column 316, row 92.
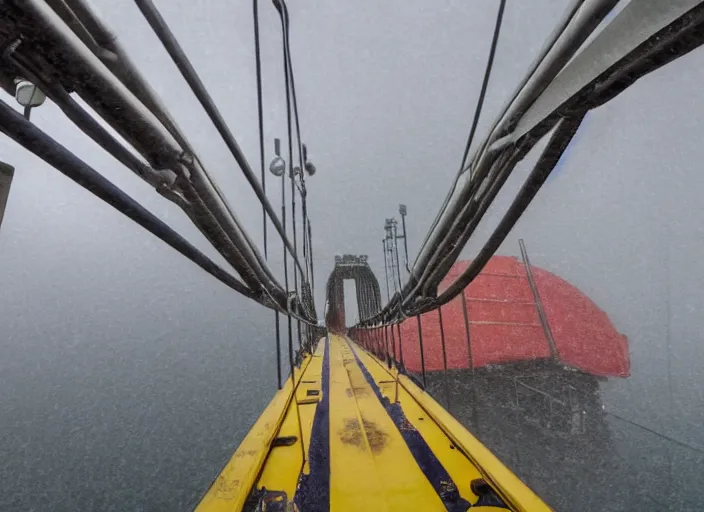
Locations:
column 356, row 268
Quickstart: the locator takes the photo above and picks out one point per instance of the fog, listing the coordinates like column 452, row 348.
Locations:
column 130, row 375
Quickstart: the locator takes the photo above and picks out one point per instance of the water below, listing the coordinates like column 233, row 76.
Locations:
column 144, row 425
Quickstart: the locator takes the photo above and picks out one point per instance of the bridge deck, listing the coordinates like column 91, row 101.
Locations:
column 372, row 441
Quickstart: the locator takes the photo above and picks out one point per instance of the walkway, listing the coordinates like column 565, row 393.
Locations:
column 372, row 441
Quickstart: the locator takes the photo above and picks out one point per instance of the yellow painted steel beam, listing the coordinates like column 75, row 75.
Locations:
column 284, row 464
column 371, row 467
column 458, row 466
column 513, row 491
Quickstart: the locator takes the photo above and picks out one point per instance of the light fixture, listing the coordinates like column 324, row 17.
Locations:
column 27, row 94
column 309, row 167
column 277, row 167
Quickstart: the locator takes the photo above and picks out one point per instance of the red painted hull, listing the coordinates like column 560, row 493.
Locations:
column 504, row 326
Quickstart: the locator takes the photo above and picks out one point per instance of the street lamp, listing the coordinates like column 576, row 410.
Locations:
column 310, row 168
column 389, row 247
column 277, row 167
column 28, row 95
column 403, row 211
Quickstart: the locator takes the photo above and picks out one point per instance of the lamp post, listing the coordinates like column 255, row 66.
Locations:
column 391, row 227
column 402, row 211
column 307, row 240
column 278, row 168
column 390, row 248
column 310, row 170
column 28, row 96
column 386, row 270
column 300, row 172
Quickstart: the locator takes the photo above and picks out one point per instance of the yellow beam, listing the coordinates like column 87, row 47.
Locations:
column 355, row 481
column 283, row 466
column 458, row 466
column 371, row 467
column 374, row 465
column 514, row 492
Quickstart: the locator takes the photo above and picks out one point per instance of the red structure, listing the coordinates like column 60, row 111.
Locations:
column 504, row 325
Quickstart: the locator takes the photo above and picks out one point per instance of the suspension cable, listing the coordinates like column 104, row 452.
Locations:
column 283, row 179
column 579, row 22
column 294, row 98
column 293, row 221
column 422, row 353
column 312, row 268
column 477, row 110
column 444, row 360
column 143, row 128
column 170, row 43
column 260, row 113
column 15, row 126
column 485, row 81
column 559, row 141
column 188, row 199
column 206, row 223
column 283, row 14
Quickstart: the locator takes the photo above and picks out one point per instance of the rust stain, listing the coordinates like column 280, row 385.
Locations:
column 377, row 438
column 361, row 391
column 351, row 433
column 245, row 453
column 226, row 489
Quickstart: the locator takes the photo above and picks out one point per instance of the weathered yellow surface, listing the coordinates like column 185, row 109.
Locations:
column 284, row 464
column 230, row 489
column 509, row 486
column 455, row 462
column 371, row 465
column 517, row 494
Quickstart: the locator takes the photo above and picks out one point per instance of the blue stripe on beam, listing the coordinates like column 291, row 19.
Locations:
column 429, row 464
column 313, row 494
